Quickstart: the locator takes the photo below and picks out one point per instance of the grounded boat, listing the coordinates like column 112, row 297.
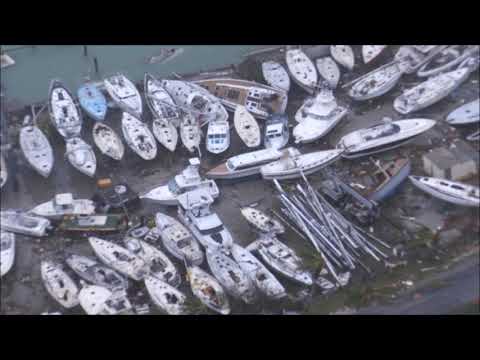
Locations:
column 294, row 164
column 195, row 98
column 466, row 114
column 246, row 164
column 263, row 279
column 81, row 156
column 108, row 141
column 22, row 223
column 328, row 70
column 247, row 127
column 258, row 99
column 474, row 136
column 410, row 59
column 166, row 133
column 158, row 263
column 92, row 101
column 376, row 83
column 138, row 137
column 189, row 179
column 425, row 49
column 178, row 240
column 283, row 260
column 96, row 223
column 382, row 137
column 119, row 258
column 3, row 172
column 64, row 204
column 195, row 213
column 275, row 75
column 317, row 117
column 207, row 289
column 160, row 102
column 190, row 132
column 165, row 296
column 370, row 52
column 301, row 69
column 343, row 54
column 450, row 191
column 276, row 131
column 98, row 300
column 429, row 91
column 446, row 60
column 65, row 116
column 125, row 94
column 59, row 284
column 472, row 63
column 37, row 149
column 218, row 136
column 96, row 273
column 7, row 252
column 231, row 276
column 261, row 221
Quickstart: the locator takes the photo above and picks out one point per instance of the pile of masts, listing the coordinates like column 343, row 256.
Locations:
column 340, row 243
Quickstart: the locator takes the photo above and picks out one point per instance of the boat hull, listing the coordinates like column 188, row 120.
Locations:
column 389, row 189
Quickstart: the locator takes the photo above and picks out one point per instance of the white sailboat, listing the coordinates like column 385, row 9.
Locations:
column 275, row 75
column 328, row 70
column 64, row 114
column 301, row 69
column 247, row 127
column 108, row 141
column 343, row 54
column 59, row 284
column 7, row 252
column 370, row 52
column 125, row 94
column 81, row 156
column 37, row 149
column 138, row 137
column 466, row 114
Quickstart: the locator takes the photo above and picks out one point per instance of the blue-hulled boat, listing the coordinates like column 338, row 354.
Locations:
column 92, row 101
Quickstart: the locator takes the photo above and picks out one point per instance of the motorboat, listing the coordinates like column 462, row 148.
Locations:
column 23, row 223
column 64, row 204
column 276, row 131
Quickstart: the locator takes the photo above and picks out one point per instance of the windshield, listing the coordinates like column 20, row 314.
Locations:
column 211, row 231
column 173, row 186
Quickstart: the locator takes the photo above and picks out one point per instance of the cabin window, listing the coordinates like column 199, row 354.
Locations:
column 443, row 183
column 457, row 187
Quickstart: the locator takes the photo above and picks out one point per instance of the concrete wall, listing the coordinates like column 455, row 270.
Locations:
column 464, row 170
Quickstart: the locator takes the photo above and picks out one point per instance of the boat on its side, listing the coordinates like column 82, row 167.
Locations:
column 7, row 252
column 59, row 284
column 247, row 127
column 125, row 94
column 139, row 137
column 22, row 223
column 165, row 296
column 275, row 75
column 108, row 141
column 450, row 191
column 301, row 69
column 343, row 54
column 328, row 70
column 261, row 221
column 64, row 114
column 64, row 204
column 81, row 156
column 37, row 149
column 371, row 52
column 276, row 131
column 98, row 300
column 468, row 113
column 92, row 101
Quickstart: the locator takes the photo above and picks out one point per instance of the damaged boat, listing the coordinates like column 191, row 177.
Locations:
column 125, row 94
column 247, row 127
column 95, row 223
column 261, row 221
column 276, row 131
column 59, row 284
column 22, row 223
column 138, row 137
column 466, row 114
column 98, row 300
column 64, row 114
column 218, row 136
column 81, row 156
column 190, row 133
column 275, row 75
column 108, row 141
column 343, row 54
column 64, row 204
column 371, row 52
column 166, row 133
column 450, row 191
column 3, row 172
column 7, row 252
column 301, row 69
column 165, row 296
column 92, row 101
column 160, row 102
column 37, row 149
column 328, row 70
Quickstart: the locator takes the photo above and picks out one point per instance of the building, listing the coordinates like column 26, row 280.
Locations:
column 458, row 162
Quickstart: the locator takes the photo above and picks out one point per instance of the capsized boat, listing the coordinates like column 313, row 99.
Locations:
column 376, row 83
column 160, row 102
column 207, row 289
column 466, row 114
column 263, row 279
column 3, row 172
column 247, row 127
column 259, row 99
column 64, row 204
column 37, row 149
column 138, row 137
column 246, row 164
column 275, row 75
column 98, row 300
column 189, row 179
column 282, row 259
column 7, row 252
column 96, row 223
column 178, row 240
column 59, row 284
column 125, row 94
column 317, row 117
column 64, row 114
column 430, row 91
column 22, row 223
column 261, row 221
column 119, row 258
column 92, row 101
column 218, row 136
column 158, row 263
column 195, row 213
column 301, row 69
column 328, row 70
column 108, row 141
column 370, row 52
column 296, row 163
column 81, row 156
column 165, row 296
column 382, row 137
column 190, row 132
column 343, row 54
column 231, row 276
column 166, row 133
column 276, row 131
column 450, row 191
column 447, row 59
column 96, row 273
column 409, row 58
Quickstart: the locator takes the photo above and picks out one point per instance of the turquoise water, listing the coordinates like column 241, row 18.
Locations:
column 28, row 80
